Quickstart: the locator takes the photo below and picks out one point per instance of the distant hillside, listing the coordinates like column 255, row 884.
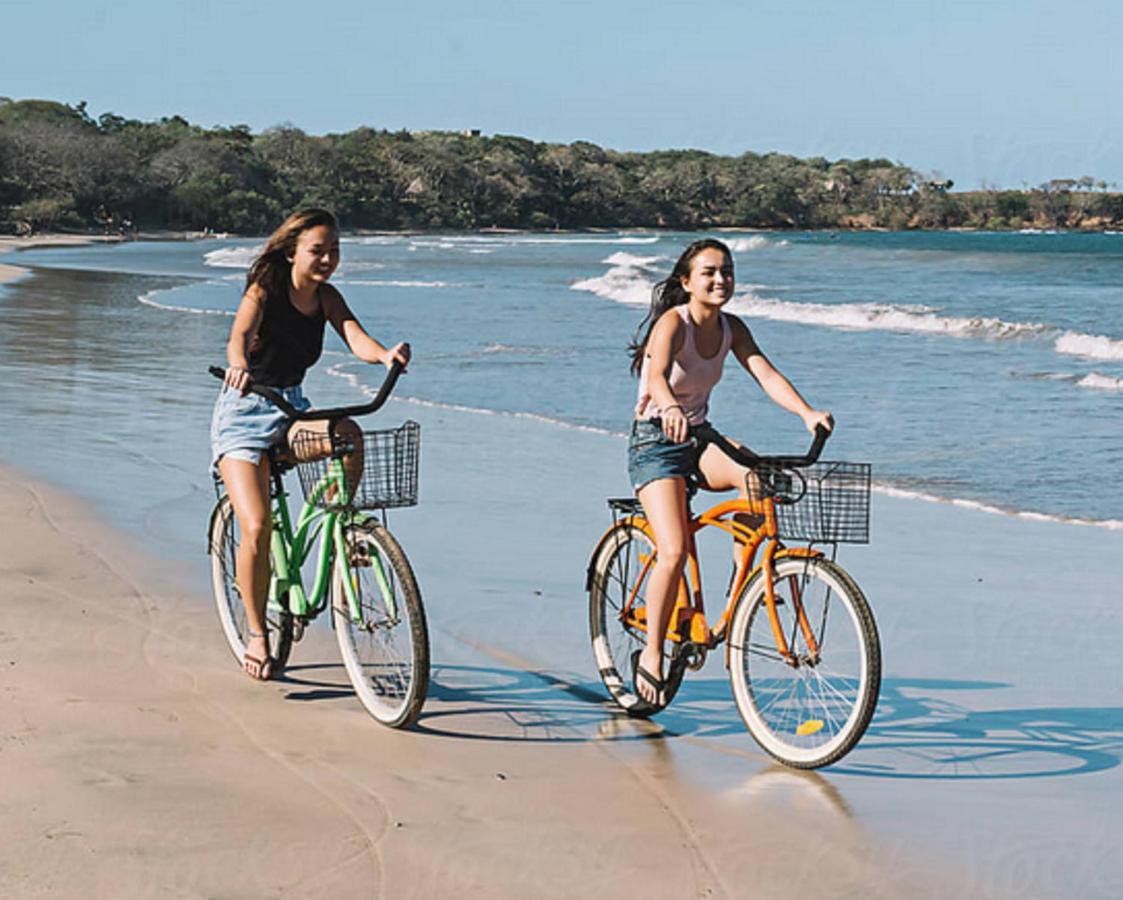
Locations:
column 61, row 168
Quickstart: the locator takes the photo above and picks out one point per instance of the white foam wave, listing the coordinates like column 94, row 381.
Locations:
column 630, row 260
column 1099, row 382
column 447, row 242
column 620, row 284
column 393, row 283
column 499, row 349
column 756, row 242
column 905, row 494
column 627, row 281
column 149, row 299
column 1092, row 346
column 339, row 371
column 913, row 319
column 378, row 240
column 232, row 257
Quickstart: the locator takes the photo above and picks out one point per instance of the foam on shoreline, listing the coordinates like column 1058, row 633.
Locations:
column 12, row 273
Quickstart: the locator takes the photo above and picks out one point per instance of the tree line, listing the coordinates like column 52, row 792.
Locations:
column 60, row 168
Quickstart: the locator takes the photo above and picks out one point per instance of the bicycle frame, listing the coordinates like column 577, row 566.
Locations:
column 688, row 618
column 290, row 548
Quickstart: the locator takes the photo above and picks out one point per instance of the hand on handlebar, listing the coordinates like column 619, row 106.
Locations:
column 818, row 418
column 399, row 353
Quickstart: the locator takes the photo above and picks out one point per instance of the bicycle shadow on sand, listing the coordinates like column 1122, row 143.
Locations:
column 918, row 731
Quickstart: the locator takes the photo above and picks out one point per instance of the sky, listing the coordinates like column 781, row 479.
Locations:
column 1004, row 93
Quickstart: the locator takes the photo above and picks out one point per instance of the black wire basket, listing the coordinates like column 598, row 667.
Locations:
column 390, row 464
column 827, row 502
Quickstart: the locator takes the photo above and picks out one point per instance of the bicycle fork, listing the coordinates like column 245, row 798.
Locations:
column 350, row 578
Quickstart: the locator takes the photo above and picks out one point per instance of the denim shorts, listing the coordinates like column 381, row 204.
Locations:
column 245, row 427
column 653, row 455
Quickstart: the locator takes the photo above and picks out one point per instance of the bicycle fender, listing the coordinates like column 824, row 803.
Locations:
column 637, row 521
column 210, row 526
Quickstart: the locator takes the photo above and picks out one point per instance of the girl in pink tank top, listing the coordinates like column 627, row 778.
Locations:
column 678, row 354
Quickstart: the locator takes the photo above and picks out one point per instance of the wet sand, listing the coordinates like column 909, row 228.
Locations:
column 138, row 761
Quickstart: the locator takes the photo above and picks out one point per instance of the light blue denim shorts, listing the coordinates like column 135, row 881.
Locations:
column 245, row 427
column 652, row 455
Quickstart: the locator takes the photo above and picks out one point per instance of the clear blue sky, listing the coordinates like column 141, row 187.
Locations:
column 998, row 91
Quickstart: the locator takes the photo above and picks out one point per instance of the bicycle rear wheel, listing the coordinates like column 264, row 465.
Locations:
column 386, row 649
column 225, row 537
column 617, row 584
column 808, row 711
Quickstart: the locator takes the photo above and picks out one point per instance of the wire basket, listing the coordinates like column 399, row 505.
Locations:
column 826, row 502
column 390, row 463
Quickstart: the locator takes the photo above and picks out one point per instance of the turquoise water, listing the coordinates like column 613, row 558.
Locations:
column 981, row 368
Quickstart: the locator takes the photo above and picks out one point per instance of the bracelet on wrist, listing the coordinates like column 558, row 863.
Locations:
column 677, row 406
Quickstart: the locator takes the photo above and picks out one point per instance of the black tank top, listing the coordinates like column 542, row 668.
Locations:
column 287, row 344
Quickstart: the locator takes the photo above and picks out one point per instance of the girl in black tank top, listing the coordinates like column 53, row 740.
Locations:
column 287, row 343
column 278, row 334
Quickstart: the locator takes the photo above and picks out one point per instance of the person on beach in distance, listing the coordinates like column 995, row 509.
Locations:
column 678, row 355
column 277, row 335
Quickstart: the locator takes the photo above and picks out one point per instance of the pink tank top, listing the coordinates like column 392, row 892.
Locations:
column 692, row 377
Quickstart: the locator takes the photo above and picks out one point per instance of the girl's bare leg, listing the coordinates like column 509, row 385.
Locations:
column 723, row 474
column 314, row 443
column 664, row 505
column 247, row 485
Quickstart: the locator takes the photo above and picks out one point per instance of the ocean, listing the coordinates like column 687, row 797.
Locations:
column 979, row 369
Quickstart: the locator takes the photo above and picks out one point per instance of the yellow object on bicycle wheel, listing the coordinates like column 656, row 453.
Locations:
column 811, row 726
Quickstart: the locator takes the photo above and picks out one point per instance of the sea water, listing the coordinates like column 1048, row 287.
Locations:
column 982, row 369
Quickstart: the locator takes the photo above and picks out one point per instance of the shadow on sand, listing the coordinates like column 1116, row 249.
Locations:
column 918, row 732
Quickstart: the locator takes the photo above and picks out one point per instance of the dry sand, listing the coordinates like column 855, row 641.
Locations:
column 137, row 761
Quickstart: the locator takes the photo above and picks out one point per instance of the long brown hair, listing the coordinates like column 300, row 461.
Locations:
column 669, row 293
column 272, row 269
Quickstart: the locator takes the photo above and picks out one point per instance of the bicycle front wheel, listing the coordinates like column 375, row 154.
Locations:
column 224, row 540
column 809, row 709
column 385, row 648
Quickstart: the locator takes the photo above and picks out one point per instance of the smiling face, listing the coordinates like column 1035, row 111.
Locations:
column 316, row 255
column 711, row 278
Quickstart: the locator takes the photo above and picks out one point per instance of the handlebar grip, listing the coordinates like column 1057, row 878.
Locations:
column 821, row 435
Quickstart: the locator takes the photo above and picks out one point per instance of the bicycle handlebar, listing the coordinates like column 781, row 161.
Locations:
column 336, row 413
column 706, row 434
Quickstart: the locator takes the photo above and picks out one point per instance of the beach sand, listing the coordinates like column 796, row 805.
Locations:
column 137, row 761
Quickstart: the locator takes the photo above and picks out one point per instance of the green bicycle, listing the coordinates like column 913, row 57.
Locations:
column 377, row 614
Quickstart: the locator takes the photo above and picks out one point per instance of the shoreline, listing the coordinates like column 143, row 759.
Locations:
column 58, row 239
column 11, row 273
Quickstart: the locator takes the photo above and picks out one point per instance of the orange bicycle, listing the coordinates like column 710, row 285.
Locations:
column 801, row 645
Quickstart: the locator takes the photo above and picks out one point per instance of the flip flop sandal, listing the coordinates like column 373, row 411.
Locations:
column 264, row 666
column 644, row 706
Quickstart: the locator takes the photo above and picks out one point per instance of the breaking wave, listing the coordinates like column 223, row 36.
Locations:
column 913, row 319
column 232, row 257
column 1091, row 346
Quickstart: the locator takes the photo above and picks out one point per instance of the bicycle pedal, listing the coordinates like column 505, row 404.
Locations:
column 298, row 630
